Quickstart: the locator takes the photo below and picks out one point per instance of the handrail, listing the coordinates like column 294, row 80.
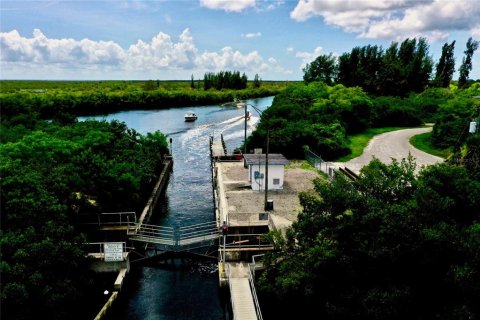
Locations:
column 176, row 237
column 258, row 311
column 199, row 225
column 229, row 275
column 249, row 240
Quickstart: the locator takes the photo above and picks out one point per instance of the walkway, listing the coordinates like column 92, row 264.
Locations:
column 394, row 144
column 175, row 239
column 243, row 304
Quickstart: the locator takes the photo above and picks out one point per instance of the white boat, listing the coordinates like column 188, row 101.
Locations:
column 190, row 116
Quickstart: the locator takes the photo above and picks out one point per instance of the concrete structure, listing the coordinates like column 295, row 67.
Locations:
column 240, row 206
column 256, row 170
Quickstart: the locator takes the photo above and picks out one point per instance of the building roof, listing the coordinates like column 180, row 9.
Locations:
column 273, row 159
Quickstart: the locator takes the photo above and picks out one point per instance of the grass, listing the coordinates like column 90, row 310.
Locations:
column 422, row 142
column 358, row 142
column 305, row 165
column 300, row 164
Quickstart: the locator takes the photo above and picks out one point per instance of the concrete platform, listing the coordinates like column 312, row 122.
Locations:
column 244, row 205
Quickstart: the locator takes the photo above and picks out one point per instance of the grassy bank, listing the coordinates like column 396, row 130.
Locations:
column 422, row 142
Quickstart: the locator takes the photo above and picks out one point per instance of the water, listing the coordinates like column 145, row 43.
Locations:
column 179, row 291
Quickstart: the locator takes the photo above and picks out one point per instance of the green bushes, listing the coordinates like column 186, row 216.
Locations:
column 453, row 118
column 390, row 245
column 50, row 174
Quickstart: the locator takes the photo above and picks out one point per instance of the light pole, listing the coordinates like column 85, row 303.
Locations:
column 260, row 112
column 244, row 105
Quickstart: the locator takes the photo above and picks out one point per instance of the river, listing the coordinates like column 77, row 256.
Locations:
column 179, row 291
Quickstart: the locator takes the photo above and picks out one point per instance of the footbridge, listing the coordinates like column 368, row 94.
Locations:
column 175, row 238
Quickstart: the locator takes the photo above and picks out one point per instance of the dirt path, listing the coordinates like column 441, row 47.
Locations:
column 394, row 144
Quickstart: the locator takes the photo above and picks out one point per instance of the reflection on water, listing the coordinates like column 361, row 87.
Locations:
column 178, row 290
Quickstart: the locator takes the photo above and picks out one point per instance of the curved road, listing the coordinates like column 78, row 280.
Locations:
column 394, row 144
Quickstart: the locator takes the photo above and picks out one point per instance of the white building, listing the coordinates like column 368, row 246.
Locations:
column 256, row 170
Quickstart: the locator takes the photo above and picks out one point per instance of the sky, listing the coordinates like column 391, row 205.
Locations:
column 175, row 39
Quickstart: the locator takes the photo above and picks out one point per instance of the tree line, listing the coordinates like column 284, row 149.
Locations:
column 396, row 71
column 225, row 80
column 321, row 118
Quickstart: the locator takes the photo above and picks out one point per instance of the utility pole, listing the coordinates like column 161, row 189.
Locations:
column 245, row 105
column 266, row 170
column 245, row 135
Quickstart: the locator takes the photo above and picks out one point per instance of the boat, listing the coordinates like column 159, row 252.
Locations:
column 190, row 116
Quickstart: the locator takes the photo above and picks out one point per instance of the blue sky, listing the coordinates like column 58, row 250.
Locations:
column 166, row 39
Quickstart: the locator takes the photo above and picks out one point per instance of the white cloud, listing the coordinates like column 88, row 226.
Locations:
column 133, row 4
column 161, row 53
column 252, row 35
column 228, row 5
column 290, row 49
column 232, row 59
column 39, row 49
column 475, row 32
column 393, row 19
column 308, row 57
column 276, row 67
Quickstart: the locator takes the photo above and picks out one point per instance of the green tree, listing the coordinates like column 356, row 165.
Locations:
column 360, row 67
column 323, row 68
column 256, row 81
column 466, row 66
column 445, row 66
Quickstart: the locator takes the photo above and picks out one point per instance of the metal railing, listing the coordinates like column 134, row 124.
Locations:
column 175, row 238
column 197, row 233
column 152, row 231
column 249, row 240
column 258, row 311
column 111, row 219
column 229, row 276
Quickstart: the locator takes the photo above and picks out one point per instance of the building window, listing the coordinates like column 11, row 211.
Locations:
column 276, row 181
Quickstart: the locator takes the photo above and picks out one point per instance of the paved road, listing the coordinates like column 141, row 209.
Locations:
column 394, row 144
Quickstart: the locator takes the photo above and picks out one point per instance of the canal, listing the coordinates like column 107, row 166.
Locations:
column 179, row 291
